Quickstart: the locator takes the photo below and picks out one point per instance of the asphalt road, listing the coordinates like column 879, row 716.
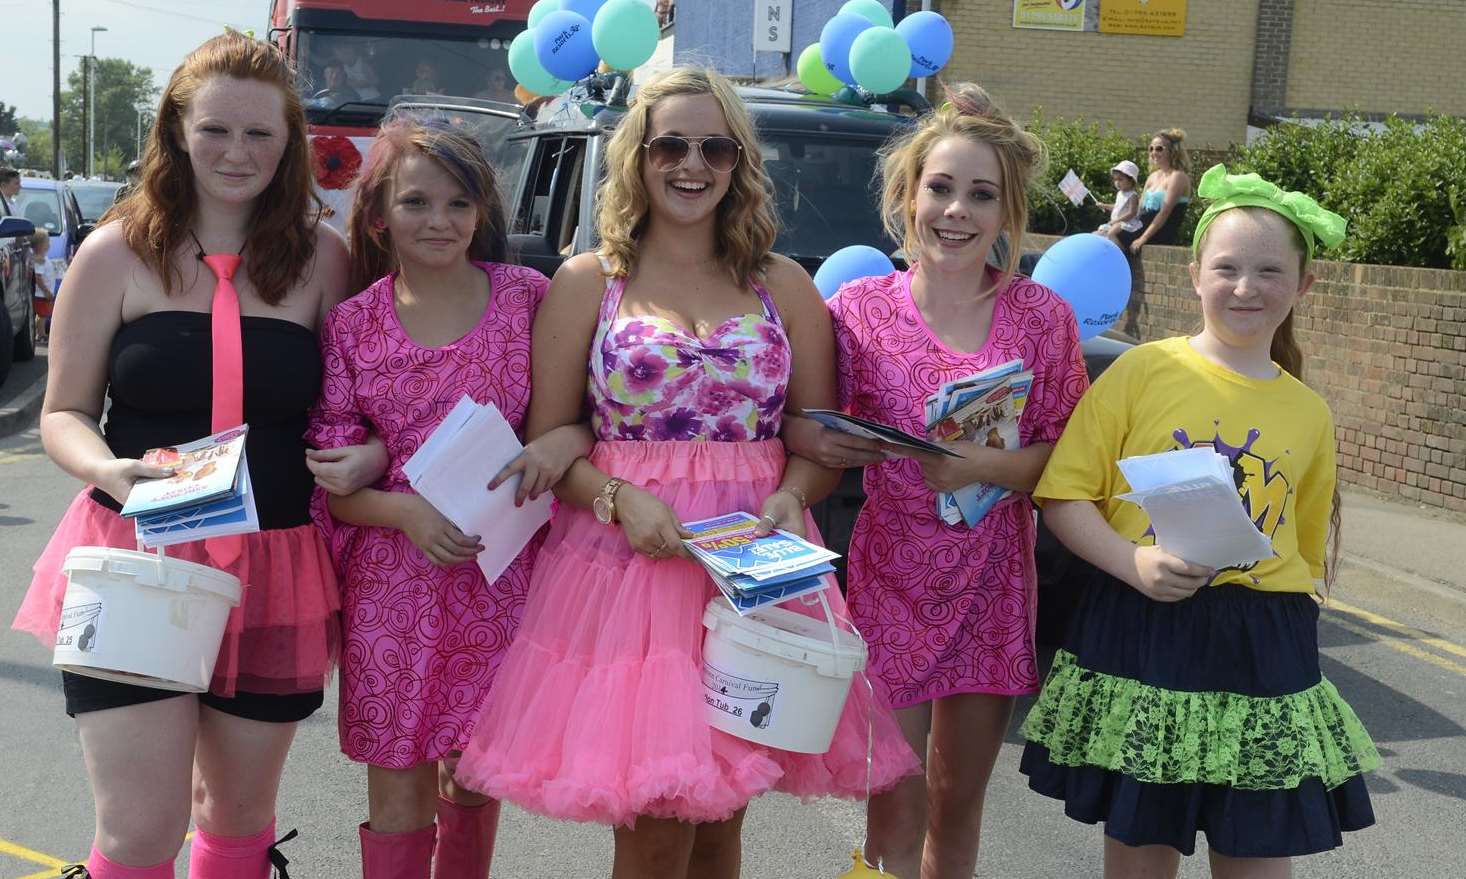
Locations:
column 1395, row 645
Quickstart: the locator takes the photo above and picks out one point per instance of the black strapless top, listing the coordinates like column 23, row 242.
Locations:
column 160, row 377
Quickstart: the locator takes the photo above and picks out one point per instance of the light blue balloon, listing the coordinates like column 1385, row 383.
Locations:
column 563, row 44
column 848, row 264
column 1092, row 275
column 587, row 9
column 873, row 10
column 525, row 66
column 835, row 40
column 929, row 36
column 539, row 10
column 625, row 33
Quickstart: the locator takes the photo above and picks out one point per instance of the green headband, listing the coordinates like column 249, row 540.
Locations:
column 1249, row 190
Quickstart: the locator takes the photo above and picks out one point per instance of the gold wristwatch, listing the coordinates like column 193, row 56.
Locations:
column 604, row 506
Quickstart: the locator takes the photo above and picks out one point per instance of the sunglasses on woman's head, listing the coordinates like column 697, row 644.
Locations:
column 668, row 152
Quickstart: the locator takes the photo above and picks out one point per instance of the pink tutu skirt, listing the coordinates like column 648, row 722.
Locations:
column 597, row 711
column 282, row 638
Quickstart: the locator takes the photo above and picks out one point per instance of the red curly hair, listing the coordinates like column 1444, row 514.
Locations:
column 159, row 213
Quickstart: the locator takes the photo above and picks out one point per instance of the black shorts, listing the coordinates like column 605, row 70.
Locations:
column 84, row 694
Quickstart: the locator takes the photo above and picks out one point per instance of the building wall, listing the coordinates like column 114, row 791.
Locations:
column 1201, row 82
column 1385, row 345
column 1378, row 56
column 719, row 33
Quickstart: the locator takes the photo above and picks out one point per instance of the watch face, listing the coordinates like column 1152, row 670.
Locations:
column 602, row 508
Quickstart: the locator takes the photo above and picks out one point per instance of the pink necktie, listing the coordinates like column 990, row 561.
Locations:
column 228, row 387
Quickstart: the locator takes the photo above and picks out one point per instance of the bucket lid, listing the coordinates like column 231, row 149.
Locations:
column 151, row 569
column 789, row 635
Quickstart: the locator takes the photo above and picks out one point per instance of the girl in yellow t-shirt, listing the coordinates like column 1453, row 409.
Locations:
column 1188, row 698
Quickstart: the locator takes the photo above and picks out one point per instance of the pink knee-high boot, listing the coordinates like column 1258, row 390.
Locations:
column 397, row 855
column 465, row 839
column 235, row 857
column 98, row 867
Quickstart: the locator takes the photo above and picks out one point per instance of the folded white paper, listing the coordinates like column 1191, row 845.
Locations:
column 1194, row 507
column 452, row 469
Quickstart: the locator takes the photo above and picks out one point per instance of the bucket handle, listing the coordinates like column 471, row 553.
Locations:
column 831, row 619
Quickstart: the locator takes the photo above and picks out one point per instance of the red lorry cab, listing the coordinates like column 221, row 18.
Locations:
column 354, row 56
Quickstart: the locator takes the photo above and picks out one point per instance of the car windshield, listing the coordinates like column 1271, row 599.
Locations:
column 827, row 192
column 348, row 79
column 94, row 198
column 40, row 206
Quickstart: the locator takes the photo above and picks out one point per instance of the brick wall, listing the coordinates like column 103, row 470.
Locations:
column 1270, row 59
column 1378, row 56
column 1386, row 346
column 1201, row 82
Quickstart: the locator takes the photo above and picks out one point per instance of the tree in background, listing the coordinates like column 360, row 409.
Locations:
column 38, row 148
column 121, row 87
column 9, row 124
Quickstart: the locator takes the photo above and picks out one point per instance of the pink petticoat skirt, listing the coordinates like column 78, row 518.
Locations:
column 597, row 711
column 282, row 638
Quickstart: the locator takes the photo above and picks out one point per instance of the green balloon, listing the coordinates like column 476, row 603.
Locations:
column 527, row 70
column 872, row 11
column 625, row 33
column 814, row 74
column 880, row 60
column 539, row 10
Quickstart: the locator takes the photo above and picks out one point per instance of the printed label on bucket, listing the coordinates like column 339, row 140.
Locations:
column 79, row 626
column 739, row 697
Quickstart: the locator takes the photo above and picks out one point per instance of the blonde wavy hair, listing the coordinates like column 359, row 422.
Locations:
column 1174, row 139
column 971, row 114
column 746, row 223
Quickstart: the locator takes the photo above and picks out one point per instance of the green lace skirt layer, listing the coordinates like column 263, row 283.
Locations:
column 1163, row 736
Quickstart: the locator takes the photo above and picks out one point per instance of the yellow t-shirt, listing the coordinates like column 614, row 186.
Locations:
column 1164, row 395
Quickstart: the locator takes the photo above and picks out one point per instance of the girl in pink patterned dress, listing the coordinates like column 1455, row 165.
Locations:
column 423, row 631
column 948, row 610
column 696, row 336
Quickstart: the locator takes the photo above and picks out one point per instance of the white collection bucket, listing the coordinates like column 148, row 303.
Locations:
column 777, row 677
column 142, row 618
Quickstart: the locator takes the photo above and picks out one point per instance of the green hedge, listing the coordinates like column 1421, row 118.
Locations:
column 1402, row 186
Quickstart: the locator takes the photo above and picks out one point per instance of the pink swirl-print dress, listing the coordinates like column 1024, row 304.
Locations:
column 947, row 609
column 421, row 642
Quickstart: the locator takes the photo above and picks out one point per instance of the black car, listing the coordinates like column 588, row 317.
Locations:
column 17, row 290
column 822, row 159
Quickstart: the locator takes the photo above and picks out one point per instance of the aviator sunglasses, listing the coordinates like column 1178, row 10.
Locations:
column 668, row 152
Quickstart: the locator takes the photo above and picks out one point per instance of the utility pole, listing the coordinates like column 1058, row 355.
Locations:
column 92, row 100
column 86, row 115
column 56, row 89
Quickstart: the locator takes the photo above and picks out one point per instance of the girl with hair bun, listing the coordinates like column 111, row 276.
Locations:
column 948, row 610
column 423, row 633
column 1166, row 193
column 224, row 195
column 696, row 337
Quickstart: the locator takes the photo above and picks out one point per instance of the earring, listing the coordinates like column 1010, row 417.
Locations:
column 379, row 225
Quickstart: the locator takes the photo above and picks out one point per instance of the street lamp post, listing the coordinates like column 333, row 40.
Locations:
column 92, row 100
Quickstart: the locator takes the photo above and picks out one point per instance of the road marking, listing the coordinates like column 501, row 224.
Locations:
column 1401, row 646
column 52, row 864
column 18, row 457
column 1387, row 623
column 9, row 848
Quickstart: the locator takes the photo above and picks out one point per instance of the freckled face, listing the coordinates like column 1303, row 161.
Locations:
column 1248, row 276
column 235, row 134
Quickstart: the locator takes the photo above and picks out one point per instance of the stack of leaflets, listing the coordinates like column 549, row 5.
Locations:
column 984, row 409
column 754, row 571
column 1194, row 507
column 208, row 494
column 452, row 469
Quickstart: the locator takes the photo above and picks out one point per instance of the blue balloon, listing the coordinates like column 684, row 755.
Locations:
column 585, row 8
column 849, row 263
column 1093, row 276
column 563, row 44
column 839, row 32
column 930, row 38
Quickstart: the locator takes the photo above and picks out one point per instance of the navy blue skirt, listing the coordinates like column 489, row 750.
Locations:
column 1209, row 714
